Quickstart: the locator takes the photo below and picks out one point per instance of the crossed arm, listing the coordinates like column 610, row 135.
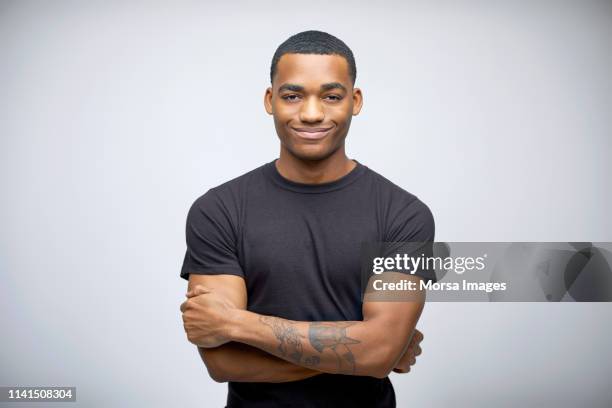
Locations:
column 238, row 345
column 239, row 362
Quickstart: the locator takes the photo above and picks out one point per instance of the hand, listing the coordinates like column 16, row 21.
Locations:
column 409, row 357
column 206, row 317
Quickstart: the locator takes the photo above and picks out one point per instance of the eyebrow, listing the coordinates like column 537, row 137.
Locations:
column 299, row 88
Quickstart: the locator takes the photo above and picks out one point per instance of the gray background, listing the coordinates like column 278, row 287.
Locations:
column 115, row 116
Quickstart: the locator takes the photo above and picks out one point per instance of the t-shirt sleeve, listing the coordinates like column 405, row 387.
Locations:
column 211, row 237
column 411, row 222
column 412, row 230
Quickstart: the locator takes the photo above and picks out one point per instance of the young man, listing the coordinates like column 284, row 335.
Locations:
column 273, row 256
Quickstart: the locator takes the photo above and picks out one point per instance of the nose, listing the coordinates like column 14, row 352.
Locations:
column 312, row 110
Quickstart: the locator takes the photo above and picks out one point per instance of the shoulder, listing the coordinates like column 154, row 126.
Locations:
column 229, row 193
column 403, row 209
column 224, row 204
column 396, row 195
column 387, row 187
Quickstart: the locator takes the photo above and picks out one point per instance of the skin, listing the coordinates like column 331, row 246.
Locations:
column 235, row 361
column 312, row 91
column 372, row 347
column 308, row 92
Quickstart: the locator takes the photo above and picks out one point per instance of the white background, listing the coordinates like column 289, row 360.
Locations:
column 115, row 116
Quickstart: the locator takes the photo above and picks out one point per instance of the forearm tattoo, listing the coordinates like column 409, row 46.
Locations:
column 321, row 335
column 290, row 343
column 333, row 335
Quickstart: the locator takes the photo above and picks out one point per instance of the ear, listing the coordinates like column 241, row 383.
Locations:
column 268, row 101
column 357, row 101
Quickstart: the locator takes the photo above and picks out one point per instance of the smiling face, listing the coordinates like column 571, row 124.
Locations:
column 312, row 100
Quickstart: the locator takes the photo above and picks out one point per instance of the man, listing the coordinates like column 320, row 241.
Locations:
column 273, row 256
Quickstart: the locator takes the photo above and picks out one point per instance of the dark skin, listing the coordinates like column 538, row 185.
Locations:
column 312, row 91
column 312, row 101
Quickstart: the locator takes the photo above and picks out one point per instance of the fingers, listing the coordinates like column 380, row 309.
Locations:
column 414, row 350
column 405, row 367
column 417, row 337
column 197, row 290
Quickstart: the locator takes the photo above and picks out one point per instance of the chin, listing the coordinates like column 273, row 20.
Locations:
column 309, row 151
column 310, row 154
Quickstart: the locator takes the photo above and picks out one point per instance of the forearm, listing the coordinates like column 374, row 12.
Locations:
column 368, row 348
column 243, row 363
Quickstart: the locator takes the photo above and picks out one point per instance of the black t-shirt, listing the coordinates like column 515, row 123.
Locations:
column 298, row 248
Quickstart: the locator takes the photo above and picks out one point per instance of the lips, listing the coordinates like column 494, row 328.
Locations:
column 312, row 133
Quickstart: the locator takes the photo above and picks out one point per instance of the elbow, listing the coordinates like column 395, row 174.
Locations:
column 215, row 370
column 382, row 362
column 381, row 371
column 217, row 376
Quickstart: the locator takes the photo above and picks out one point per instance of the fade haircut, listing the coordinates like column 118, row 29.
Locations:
column 314, row 42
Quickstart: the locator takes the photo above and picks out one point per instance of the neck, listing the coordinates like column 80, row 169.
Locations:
column 314, row 171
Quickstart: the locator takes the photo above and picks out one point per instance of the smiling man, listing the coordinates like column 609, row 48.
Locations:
column 273, row 256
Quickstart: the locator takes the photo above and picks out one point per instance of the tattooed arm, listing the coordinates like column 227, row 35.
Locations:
column 239, row 362
column 370, row 347
column 236, row 361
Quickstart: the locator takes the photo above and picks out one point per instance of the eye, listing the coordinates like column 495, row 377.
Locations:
column 290, row 97
column 333, row 98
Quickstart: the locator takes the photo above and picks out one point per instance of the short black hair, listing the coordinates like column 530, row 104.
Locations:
column 314, row 42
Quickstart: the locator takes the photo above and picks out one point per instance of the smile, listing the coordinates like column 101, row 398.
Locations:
column 312, row 133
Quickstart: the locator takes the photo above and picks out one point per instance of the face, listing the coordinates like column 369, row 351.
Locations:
column 312, row 100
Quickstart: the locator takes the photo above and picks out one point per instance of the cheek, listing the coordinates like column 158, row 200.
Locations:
column 284, row 112
column 340, row 113
column 342, row 121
